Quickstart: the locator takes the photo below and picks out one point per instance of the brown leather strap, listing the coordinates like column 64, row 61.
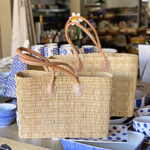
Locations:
column 105, row 63
column 29, row 59
column 89, row 34
column 85, row 30
column 35, row 59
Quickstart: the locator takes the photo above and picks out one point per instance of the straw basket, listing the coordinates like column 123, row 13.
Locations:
column 124, row 67
column 51, row 105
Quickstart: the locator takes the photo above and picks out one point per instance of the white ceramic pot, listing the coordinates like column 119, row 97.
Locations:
column 65, row 51
column 140, row 98
column 51, row 44
column 109, row 50
column 39, row 49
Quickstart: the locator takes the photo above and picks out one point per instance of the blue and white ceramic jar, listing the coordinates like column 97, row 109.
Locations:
column 88, row 49
column 38, row 48
column 51, row 47
column 65, row 51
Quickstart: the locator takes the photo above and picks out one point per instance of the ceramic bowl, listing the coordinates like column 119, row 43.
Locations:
column 145, row 132
column 144, row 112
column 136, row 112
column 17, row 118
column 142, row 123
column 139, row 99
column 7, row 109
column 6, row 121
column 7, row 117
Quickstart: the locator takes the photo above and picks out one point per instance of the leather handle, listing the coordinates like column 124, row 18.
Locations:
column 51, row 87
column 32, row 58
column 79, row 64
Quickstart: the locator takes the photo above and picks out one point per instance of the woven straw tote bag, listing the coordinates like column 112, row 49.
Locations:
column 50, row 105
column 124, row 67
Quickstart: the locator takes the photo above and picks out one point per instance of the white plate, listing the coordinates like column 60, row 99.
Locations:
column 135, row 142
column 125, row 124
column 118, row 120
column 117, row 134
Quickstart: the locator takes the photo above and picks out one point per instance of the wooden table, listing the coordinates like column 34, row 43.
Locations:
column 10, row 137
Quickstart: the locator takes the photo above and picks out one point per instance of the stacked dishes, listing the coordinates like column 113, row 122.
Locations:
column 17, row 118
column 144, row 112
column 135, row 141
column 136, row 113
column 121, row 121
column 142, row 125
column 7, row 114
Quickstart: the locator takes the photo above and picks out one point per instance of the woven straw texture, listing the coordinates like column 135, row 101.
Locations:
column 64, row 115
column 124, row 67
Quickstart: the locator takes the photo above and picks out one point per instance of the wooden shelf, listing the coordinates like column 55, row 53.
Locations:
column 94, row 17
column 49, row 10
column 130, row 14
column 101, row 18
column 114, row 33
column 92, row 5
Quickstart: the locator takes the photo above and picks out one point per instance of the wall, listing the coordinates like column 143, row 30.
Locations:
column 75, row 6
column 5, row 21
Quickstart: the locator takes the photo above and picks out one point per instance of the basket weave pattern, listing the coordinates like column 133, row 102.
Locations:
column 64, row 115
column 124, row 68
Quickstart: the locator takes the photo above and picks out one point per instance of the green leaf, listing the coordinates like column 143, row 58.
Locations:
column 78, row 29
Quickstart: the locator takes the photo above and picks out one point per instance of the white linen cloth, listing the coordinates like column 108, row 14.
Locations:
column 23, row 27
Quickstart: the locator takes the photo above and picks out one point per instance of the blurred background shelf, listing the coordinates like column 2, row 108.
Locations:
column 50, row 10
column 126, row 14
column 92, row 5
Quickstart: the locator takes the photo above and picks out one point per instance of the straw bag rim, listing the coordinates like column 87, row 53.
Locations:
column 105, row 75
column 115, row 55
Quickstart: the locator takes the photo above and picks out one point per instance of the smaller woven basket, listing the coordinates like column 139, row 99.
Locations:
column 79, row 107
